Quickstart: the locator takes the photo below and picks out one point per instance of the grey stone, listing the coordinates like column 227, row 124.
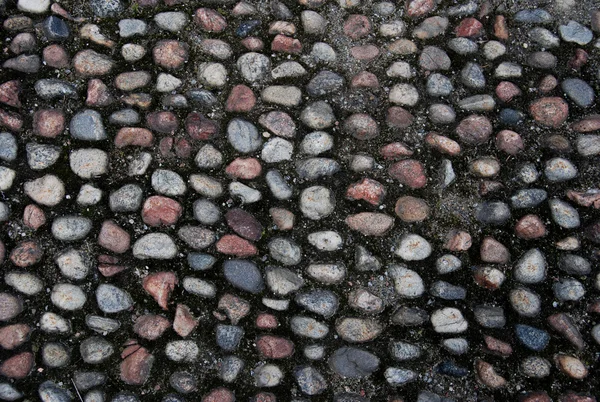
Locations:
column 95, row 350
column 318, row 301
column 574, row 32
column 71, row 228
column 40, row 156
column 229, row 336
column 51, row 88
column 126, row 199
column 285, row 251
column 112, row 299
column 579, row 91
column 8, row 147
column 243, row 136
column 51, row 392
column 352, row 362
column 158, row 246
column 244, row 275
column 310, row 380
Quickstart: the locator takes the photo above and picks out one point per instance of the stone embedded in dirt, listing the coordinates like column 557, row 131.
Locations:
column 112, row 299
column 409, row 172
column 474, row 130
column 244, row 275
column 161, row 211
column 234, row 245
column 160, row 285
column 448, row 320
column 136, row 365
column 13, row 336
column 361, row 126
column 48, row 190
column 368, row 190
column 550, row 112
column 370, row 223
column 89, row 63
column 530, row 227
column 151, row 326
column 184, row 322
column 244, row 224
column 353, row 362
column 170, row 54
column 488, row 375
column 71, row 228
column 273, row 347
column 26, row 253
column 156, row 246
column 18, row 366
column 571, row 366
column 68, row 297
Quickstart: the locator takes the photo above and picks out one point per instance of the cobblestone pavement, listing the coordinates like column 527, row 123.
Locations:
column 346, row 200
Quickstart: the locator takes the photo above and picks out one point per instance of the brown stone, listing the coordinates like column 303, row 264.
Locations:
column 266, row 321
column 573, row 397
column 219, row 395
column 56, row 56
column 361, row 126
column 18, row 366
column 199, row 127
column 474, row 130
column 365, row 79
column 538, row 396
column 509, row 142
column 506, row 91
column 140, row 100
column 210, row 20
column 136, row 365
column 557, row 143
column 151, row 326
column 469, row 28
column 114, row 238
column 530, row 227
column 409, row 172
column 33, row 217
column 443, row 144
column 134, row 136
column 282, row 218
column 550, row 112
column 13, row 336
column 500, row 28
column 398, row 117
column 10, row 120
column 244, row 168
column 170, row 54
column 244, row 224
column 235, row 307
column 241, row 99
column 279, row 123
column 497, row 346
column 98, row 94
column 364, row 52
column 9, row 93
column 411, row 209
column 395, row 150
column 458, row 240
column 48, row 122
column 588, row 124
column 184, row 323
column 548, row 84
column 579, row 59
column 571, row 366
column 493, row 251
column 585, row 199
column 488, row 376
column 26, row 253
column 368, row 190
column 164, row 122
column 370, row 223
column 90, row 63
column 565, row 326
column 160, row 285
column 357, row 26
column 161, row 211
column 253, row 44
column 285, row 44
column 274, row 347
column 235, row 245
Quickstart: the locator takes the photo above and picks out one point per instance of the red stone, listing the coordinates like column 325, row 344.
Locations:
column 170, row 54
column 507, row 91
column 134, row 136
column 458, row 240
column 10, row 120
column 285, row 44
column 253, row 44
column 364, row 79
column 199, row 127
column 409, row 172
column 18, row 366
column 26, row 253
column 210, row 20
column 357, row 26
column 244, row 224
column 442, row 144
column 160, row 285
column 163, row 122
column 368, row 190
column 395, row 150
column 2, row 252
column 419, row 8
column 500, row 28
column 530, row 227
column 161, row 211
column 550, row 112
column 56, row 56
column 114, row 238
column 33, row 217
column 151, row 326
column 48, row 122
column 274, row 347
column 9, row 93
column 365, row 52
column 244, row 168
column 219, row 395
column 184, row 323
column 98, row 94
column 264, row 397
column 580, row 59
column 241, row 99
column 469, row 28
column 266, row 321
column 136, row 365
column 13, row 336
column 235, row 245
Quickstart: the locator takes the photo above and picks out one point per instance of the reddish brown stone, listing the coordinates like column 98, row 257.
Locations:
column 244, row 224
column 573, row 397
column 151, row 326
column 18, row 366
column 235, row 245
column 493, row 251
column 199, row 127
column 474, row 129
column 134, row 136
column 108, row 270
column 443, row 144
column 2, row 252
column 264, row 397
column 487, row 278
column 285, row 44
column 266, row 321
column 140, row 100
column 361, row 126
column 9, row 93
column 98, row 94
column 114, row 238
column 10, row 120
column 365, row 79
column 274, row 347
column 580, row 59
column 165, row 147
column 488, row 376
column 411, row 209
column 530, row 227
column 395, row 150
column 538, row 396
column 364, row 52
column 550, row 112
column 160, row 285
column 419, row 8
column 219, row 395
column 370, row 223
column 241, row 99
column 244, row 168
column 56, row 56
column 507, row 91
column 146, row 3
column 210, row 20
column 33, row 217
column 183, row 148
column 509, row 142
column 587, row 125
column 368, row 190
column 548, row 84
column 585, row 199
column 163, row 122
column 496, row 346
column 279, row 123
column 253, row 44
column 48, row 122
column 235, row 308
column 357, row 26
column 565, row 326
column 26, row 253
column 409, row 172
column 500, row 28
column 13, row 336
column 136, row 365
column 398, row 117
column 184, row 323
column 170, row 54
column 161, row 211
column 458, row 240
column 469, row 28
column 594, row 306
